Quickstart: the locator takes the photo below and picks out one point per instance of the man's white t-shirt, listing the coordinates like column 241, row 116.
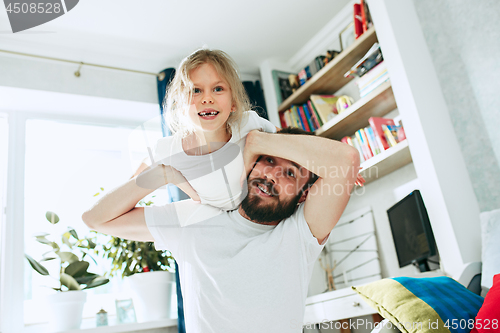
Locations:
column 237, row 275
column 218, row 177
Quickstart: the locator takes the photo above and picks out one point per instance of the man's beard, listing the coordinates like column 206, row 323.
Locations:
column 275, row 211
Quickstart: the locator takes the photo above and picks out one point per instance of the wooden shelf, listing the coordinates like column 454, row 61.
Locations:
column 376, row 104
column 386, row 162
column 331, row 77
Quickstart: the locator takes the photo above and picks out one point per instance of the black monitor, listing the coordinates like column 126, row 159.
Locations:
column 412, row 232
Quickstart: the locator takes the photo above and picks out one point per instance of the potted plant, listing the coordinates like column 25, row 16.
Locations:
column 148, row 272
column 66, row 306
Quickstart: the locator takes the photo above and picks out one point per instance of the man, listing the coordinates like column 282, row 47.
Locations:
column 245, row 270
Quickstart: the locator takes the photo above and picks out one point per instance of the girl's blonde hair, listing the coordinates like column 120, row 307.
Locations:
column 180, row 91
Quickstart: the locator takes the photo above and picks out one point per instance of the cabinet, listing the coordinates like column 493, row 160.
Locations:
column 335, row 305
column 376, row 104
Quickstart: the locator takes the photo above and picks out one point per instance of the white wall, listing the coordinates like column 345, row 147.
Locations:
column 48, row 75
column 463, row 41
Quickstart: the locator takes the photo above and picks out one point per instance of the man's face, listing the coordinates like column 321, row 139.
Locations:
column 274, row 189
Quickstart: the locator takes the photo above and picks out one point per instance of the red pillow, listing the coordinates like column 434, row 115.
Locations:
column 488, row 317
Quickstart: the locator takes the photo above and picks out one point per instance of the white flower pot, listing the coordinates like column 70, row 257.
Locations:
column 65, row 310
column 152, row 295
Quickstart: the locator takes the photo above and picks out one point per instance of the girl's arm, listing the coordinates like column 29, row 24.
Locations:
column 183, row 183
column 115, row 214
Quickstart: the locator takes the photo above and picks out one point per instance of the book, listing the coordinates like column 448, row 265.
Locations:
column 358, row 25
column 325, row 105
column 365, row 64
column 315, row 112
column 314, row 117
column 364, row 23
column 366, row 143
column 397, row 132
column 389, row 136
column 295, row 116
column 302, row 77
column 309, row 118
column 374, row 85
column 348, row 140
column 303, row 118
column 371, row 140
column 366, row 153
column 288, row 118
column 372, row 75
column 282, row 119
column 356, row 145
column 376, row 124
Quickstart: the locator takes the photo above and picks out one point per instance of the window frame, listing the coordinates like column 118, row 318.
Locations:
column 23, row 105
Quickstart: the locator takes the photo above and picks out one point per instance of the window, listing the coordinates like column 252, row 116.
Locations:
column 65, row 166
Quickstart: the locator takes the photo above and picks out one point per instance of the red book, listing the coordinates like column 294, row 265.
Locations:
column 348, row 140
column 358, row 25
column 282, row 119
column 363, row 16
column 376, row 124
column 302, row 116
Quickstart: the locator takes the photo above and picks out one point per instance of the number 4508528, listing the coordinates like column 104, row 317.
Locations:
column 32, row 8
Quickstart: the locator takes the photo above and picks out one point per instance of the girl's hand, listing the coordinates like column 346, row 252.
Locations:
column 251, row 151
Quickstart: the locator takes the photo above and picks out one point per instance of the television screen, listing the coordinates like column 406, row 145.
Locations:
column 411, row 231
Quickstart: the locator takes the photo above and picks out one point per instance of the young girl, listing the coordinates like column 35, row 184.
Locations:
column 207, row 112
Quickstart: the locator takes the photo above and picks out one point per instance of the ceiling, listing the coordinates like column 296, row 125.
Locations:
column 155, row 34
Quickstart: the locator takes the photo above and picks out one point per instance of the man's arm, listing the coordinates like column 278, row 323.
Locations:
column 115, row 214
column 335, row 163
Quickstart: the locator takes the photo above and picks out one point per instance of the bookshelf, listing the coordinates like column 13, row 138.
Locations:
column 386, row 162
column 376, row 104
column 331, row 77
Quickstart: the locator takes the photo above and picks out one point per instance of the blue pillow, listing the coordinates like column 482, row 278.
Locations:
column 430, row 305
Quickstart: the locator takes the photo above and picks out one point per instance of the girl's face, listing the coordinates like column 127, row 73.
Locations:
column 212, row 103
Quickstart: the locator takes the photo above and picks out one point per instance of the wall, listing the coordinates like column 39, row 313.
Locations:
column 463, row 42
column 48, row 75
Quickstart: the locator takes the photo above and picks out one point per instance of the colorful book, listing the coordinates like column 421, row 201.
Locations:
column 303, row 118
column 302, row 77
column 366, row 152
column 314, row 120
column 366, row 143
column 356, row 145
column 325, row 105
column 389, row 136
column 371, row 140
column 315, row 112
column 376, row 124
column 298, row 117
column 309, row 118
column 295, row 117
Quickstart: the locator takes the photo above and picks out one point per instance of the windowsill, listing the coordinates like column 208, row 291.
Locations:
column 89, row 326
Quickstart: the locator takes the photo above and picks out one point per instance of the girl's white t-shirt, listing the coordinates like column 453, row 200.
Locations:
column 218, row 177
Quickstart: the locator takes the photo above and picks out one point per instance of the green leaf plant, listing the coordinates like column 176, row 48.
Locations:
column 129, row 257
column 73, row 274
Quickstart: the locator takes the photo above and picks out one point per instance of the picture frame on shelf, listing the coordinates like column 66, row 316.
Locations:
column 346, row 36
column 282, row 85
column 125, row 311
